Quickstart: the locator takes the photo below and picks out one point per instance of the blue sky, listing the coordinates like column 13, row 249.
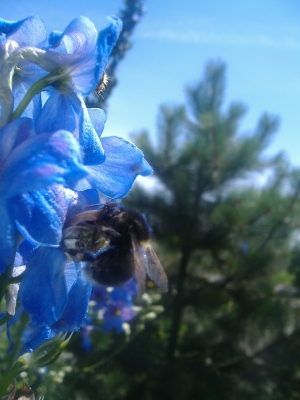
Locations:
column 259, row 40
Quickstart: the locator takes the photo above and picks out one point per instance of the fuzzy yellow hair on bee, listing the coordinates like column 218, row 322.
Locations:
column 101, row 85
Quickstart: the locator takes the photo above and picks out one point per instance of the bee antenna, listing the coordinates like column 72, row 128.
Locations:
column 95, row 205
column 108, row 203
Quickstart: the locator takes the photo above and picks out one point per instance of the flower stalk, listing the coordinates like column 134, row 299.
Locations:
column 53, row 165
column 35, row 89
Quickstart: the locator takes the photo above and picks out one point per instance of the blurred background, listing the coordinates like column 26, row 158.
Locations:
column 210, row 92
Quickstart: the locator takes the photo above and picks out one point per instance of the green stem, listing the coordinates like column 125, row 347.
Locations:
column 22, row 323
column 4, row 281
column 4, row 319
column 10, row 376
column 116, row 352
column 35, row 89
column 178, row 306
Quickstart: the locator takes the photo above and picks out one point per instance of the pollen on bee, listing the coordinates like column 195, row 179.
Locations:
column 146, row 244
column 101, row 85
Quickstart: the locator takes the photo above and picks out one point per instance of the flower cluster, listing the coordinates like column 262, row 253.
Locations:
column 53, row 164
column 112, row 305
column 116, row 303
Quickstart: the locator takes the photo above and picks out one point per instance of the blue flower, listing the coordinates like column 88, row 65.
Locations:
column 71, row 62
column 26, row 34
column 30, row 166
column 106, row 41
column 100, row 297
column 123, row 163
column 116, row 314
column 81, row 53
column 77, row 59
column 52, row 163
column 64, row 303
column 113, row 164
column 119, row 307
column 56, row 298
column 68, row 111
column 85, row 330
column 53, row 291
column 80, row 64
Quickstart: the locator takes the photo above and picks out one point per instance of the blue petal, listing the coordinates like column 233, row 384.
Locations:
column 76, row 308
column 88, row 198
column 40, row 214
column 9, row 27
column 22, row 81
column 75, row 51
column 131, row 287
column 107, row 39
column 100, row 296
column 71, row 275
column 98, row 118
column 112, row 322
column 18, row 262
column 26, row 250
column 54, row 39
column 77, row 33
column 119, row 294
column 127, row 312
column 58, row 113
column 69, row 112
column 14, row 134
column 41, row 161
column 27, row 32
column 85, row 336
column 83, row 200
column 93, row 153
column 39, row 336
column 44, row 290
column 114, row 178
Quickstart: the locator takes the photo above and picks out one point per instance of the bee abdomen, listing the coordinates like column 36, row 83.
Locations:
column 113, row 267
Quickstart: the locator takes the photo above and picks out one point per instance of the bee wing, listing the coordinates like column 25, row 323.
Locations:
column 154, row 268
column 139, row 270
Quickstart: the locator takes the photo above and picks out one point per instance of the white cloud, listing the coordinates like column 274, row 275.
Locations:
column 194, row 35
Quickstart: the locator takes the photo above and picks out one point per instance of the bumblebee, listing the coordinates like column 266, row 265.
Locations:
column 115, row 244
column 101, row 85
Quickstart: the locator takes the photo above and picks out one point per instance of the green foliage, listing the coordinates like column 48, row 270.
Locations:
column 232, row 308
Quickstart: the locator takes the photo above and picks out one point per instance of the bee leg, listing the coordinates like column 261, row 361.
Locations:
column 88, row 256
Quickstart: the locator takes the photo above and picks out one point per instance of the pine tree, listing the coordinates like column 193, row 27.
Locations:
column 226, row 239
column 131, row 15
